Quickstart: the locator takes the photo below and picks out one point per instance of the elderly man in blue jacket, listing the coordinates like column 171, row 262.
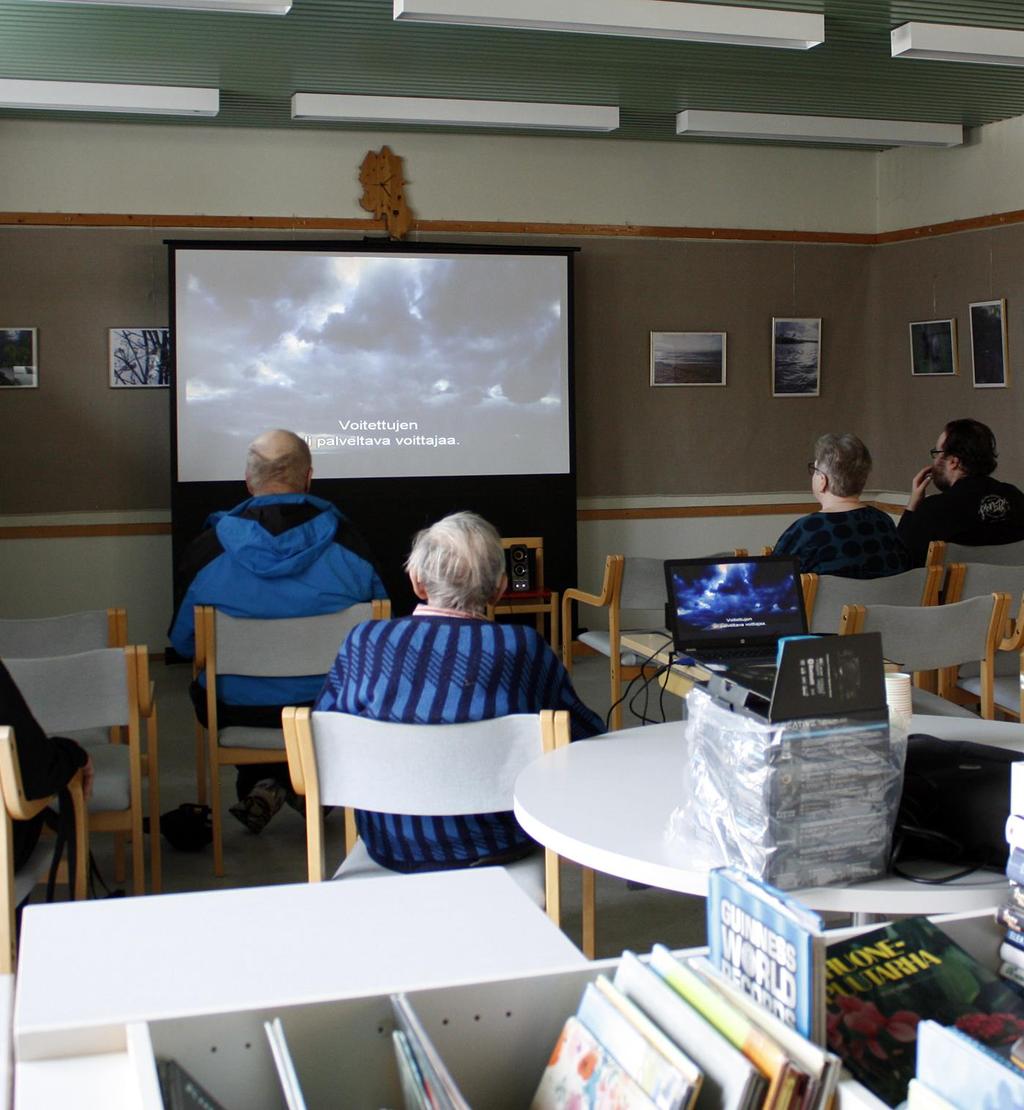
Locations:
column 281, row 553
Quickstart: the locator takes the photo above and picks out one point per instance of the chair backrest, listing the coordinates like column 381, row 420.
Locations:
column 92, row 689
column 643, row 586
column 431, row 770
column 277, row 648
column 964, row 580
column 40, row 637
column 927, row 638
column 1004, row 554
column 826, row 594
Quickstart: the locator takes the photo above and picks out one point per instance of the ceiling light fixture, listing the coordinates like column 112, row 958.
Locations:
column 817, row 129
column 652, row 19
column 453, row 113
column 87, row 96
column 951, row 42
column 254, row 7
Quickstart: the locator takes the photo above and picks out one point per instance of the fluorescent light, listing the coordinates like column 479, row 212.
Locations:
column 257, row 7
column 817, row 129
column 654, row 19
column 951, row 42
column 87, row 96
column 448, row 113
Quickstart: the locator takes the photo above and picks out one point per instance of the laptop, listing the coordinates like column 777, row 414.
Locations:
column 726, row 608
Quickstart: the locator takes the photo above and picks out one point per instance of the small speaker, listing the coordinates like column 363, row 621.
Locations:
column 520, row 573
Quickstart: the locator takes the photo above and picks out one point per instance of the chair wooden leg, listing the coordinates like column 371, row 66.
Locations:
column 616, row 692
column 552, row 887
column 589, row 944
column 218, row 819
column 7, row 925
column 201, row 775
column 153, row 771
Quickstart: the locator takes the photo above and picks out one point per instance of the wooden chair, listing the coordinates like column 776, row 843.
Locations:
column 826, row 594
column 629, row 583
column 537, row 599
column 16, row 888
column 277, row 648
column 100, row 689
column 1001, row 554
column 42, row 637
column 967, row 580
column 428, row 770
column 935, row 638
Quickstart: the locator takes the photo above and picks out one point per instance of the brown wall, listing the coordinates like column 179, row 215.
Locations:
column 76, row 445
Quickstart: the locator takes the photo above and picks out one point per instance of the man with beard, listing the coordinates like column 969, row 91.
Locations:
column 972, row 508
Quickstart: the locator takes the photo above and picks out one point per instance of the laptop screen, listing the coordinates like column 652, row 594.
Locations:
column 727, row 602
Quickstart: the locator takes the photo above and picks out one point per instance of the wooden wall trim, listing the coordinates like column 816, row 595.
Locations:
column 507, row 227
column 659, row 512
column 82, row 531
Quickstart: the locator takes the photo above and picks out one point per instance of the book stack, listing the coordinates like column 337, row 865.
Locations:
column 801, row 803
column 667, row 1032
column 891, row 991
column 1011, row 913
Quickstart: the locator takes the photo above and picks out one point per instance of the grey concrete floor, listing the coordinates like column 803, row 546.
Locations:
column 626, row 918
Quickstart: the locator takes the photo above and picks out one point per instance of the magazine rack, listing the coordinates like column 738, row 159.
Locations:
column 495, row 1037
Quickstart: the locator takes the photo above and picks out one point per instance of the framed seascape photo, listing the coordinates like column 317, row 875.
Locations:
column 988, row 344
column 18, row 365
column 796, row 356
column 933, row 348
column 139, row 357
column 687, row 358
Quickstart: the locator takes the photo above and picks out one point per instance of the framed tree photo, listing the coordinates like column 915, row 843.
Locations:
column 988, row 344
column 933, row 350
column 688, row 357
column 139, row 357
column 796, row 356
column 18, row 364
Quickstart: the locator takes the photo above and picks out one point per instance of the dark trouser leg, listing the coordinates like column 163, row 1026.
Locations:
column 251, row 773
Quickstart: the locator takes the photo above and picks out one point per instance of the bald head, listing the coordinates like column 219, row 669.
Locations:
column 278, row 461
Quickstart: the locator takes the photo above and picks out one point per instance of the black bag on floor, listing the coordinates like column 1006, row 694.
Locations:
column 189, row 828
column 956, row 798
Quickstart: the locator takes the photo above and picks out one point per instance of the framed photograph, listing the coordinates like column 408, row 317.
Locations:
column 988, row 344
column 796, row 356
column 688, row 358
column 933, row 348
column 18, row 366
column 139, row 357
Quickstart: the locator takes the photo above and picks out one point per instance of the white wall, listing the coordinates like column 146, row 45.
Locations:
column 94, row 167
column 985, row 176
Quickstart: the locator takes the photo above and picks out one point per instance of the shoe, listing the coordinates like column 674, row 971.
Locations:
column 259, row 805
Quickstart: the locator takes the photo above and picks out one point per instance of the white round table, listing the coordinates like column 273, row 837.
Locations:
column 605, row 803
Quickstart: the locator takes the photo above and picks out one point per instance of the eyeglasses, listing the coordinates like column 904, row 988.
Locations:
column 936, row 452
column 812, row 470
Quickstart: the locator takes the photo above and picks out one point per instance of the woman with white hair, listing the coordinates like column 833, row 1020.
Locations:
column 445, row 664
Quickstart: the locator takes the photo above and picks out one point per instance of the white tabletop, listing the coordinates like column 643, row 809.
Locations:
column 605, row 803
column 87, row 968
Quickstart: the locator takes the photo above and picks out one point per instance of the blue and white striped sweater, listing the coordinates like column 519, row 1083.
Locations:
column 446, row 670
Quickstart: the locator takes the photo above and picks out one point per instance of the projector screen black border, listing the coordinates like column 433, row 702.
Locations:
column 389, row 511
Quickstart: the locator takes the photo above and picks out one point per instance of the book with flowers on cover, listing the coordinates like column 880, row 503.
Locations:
column 879, row 985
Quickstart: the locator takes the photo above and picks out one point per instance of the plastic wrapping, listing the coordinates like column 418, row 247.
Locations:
column 797, row 804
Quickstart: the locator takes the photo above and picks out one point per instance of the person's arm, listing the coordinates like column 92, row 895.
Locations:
column 788, row 542
column 583, row 721
column 921, row 521
column 182, row 632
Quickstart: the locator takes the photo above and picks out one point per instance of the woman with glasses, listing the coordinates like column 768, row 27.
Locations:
column 845, row 538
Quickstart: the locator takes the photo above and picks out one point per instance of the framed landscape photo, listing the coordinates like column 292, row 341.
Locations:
column 139, row 357
column 18, row 364
column 988, row 344
column 688, row 358
column 796, row 356
column 933, row 348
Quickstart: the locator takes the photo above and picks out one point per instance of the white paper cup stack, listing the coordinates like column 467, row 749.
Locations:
column 897, row 697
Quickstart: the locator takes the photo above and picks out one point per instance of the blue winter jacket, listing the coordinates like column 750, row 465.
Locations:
column 281, row 555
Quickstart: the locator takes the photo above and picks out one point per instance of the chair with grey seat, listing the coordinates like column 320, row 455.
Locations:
column 633, row 586
column 275, row 648
column 937, row 638
column 99, row 690
column 826, row 594
column 43, row 637
column 999, row 554
column 966, row 580
column 427, row 770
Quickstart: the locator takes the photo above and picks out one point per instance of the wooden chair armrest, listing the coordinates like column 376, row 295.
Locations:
column 597, row 600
